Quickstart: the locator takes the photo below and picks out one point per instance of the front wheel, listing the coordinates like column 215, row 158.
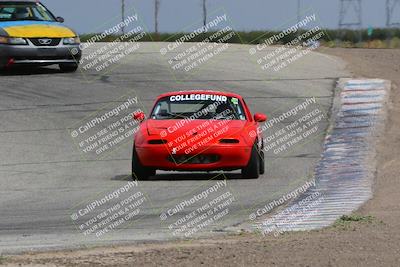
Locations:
column 252, row 170
column 68, row 67
column 262, row 162
column 138, row 170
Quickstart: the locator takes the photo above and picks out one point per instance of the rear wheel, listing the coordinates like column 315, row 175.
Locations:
column 68, row 67
column 252, row 170
column 138, row 170
column 2, row 66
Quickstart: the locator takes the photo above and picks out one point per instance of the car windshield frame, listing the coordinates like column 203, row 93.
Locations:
column 33, row 10
column 231, row 109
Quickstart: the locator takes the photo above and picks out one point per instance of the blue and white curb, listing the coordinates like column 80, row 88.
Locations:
column 345, row 174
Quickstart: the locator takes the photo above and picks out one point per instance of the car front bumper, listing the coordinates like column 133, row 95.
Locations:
column 230, row 157
column 38, row 55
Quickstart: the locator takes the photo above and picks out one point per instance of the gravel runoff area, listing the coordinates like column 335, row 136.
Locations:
column 372, row 241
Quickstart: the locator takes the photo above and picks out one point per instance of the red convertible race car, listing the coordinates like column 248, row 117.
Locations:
column 198, row 131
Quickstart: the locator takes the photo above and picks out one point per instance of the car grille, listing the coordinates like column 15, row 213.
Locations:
column 194, row 159
column 45, row 41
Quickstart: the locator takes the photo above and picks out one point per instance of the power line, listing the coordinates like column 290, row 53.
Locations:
column 391, row 6
column 350, row 14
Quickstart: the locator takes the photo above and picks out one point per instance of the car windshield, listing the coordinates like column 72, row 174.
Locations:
column 15, row 11
column 198, row 106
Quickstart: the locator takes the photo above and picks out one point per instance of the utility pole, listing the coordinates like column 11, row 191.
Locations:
column 348, row 19
column 298, row 10
column 123, row 15
column 391, row 21
column 204, row 12
column 391, row 6
column 156, row 9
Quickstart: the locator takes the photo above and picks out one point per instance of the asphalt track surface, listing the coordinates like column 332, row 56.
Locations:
column 43, row 176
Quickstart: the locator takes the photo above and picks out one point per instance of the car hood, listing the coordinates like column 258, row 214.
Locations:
column 35, row 29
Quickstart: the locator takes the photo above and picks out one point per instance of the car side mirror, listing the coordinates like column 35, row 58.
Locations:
column 60, row 19
column 139, row 116
column 259, row 117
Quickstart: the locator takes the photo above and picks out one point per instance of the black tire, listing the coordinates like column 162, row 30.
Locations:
column 262, row 162
column 68, row 67
column 2, row 67
column 252, row 170
column 138, row 170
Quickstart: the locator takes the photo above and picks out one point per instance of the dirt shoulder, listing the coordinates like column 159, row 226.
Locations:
column 366, row 243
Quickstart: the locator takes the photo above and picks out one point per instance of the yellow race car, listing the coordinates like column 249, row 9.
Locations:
column 31, row 35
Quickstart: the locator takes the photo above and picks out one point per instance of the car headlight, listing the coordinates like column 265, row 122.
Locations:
column 72, row 41
column 13, row 40
column 17, row 41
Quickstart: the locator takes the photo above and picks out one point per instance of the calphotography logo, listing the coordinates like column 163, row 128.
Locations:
column 189, row 53
column 289, row 129
column 111, row 211
column 108, row 128
column 284, row 199
column 277, row 52
column 199, row 210
column 116, row 43
column 290, row 218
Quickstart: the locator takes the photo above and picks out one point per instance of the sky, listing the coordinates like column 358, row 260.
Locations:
column 87, row 16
